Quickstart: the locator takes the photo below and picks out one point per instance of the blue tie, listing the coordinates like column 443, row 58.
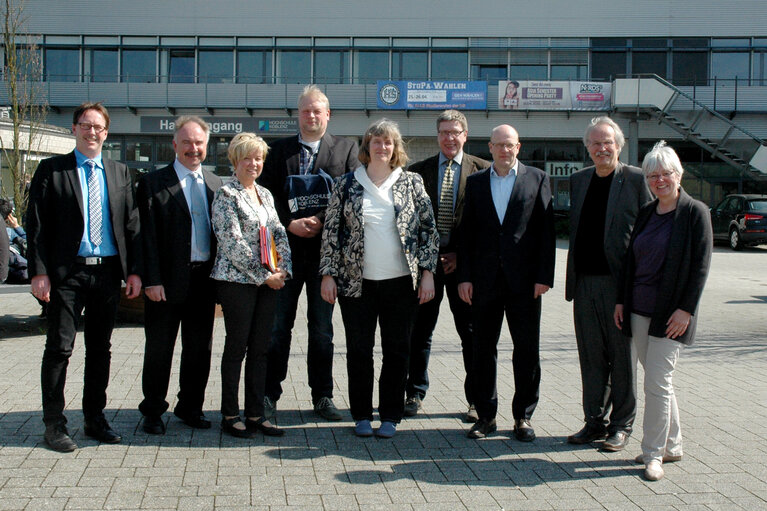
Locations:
column 94, row 204
column 200, row 222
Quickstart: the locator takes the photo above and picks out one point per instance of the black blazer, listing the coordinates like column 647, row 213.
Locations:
column 55, row 217
column 685, row 269
column 167, row 230
column 429, row 171
column 522, row 249
column 628, row 193
column 337, row 156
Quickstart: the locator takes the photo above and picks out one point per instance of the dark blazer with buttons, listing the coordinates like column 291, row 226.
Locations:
column 429, row 171
column 336, row 156
column 628, row 193
column 522, row 248
column 167, row 230
column 55, row 220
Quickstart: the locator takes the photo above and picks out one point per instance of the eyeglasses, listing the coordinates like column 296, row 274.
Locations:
column 450, row 133
column 606, row 143
column 86, row 126
column 654, row 177
column 507, row 147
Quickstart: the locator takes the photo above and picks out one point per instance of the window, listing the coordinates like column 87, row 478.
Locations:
column 649, row 62
column 489, row 73
column 294, row 66
column 370, row 66
column 254, row 66
column 410, row 65
column 529, row 72
column 331, row 67
column 181, row 66
column 62, row 65
column 569, row 72
column 215, row 66
column 607, row 65
column 138, row 151
column 730, row 65
column 690, row 68
column 104, row 65
column 139, row 66
column 28, row 63
column 449, row 65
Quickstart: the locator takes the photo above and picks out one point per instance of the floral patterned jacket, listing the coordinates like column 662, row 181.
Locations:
column 236, row 225
column 343, row 246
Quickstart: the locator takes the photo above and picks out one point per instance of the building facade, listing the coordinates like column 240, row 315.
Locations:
column 242, row 65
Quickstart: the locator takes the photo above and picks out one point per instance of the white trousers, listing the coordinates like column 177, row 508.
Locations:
column 661, row 432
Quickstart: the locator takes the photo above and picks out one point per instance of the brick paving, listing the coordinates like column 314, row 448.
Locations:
column 721, row 384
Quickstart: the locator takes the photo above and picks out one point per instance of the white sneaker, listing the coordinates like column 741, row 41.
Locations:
column 653, row 471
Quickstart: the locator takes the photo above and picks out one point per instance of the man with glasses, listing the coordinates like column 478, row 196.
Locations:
column 444, row 176
column 83, row 240
column 506, row 251
column 604, row 201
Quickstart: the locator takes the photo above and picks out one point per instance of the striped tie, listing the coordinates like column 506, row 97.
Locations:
column 445, row 211
column 94, row 204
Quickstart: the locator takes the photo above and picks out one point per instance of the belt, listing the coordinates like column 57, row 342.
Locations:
column 93, row 261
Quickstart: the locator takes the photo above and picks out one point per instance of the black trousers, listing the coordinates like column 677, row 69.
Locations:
column 523, row 316
column 248, row 314
column 195, row 316
column 608, row 375
column 391, row 303
column 97, row 290
column 423, row 330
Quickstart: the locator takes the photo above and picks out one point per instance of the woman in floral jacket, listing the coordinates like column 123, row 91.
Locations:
column 379, row 252
column 246, row 289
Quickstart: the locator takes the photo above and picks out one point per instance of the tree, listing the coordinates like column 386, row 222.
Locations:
column 27, row 106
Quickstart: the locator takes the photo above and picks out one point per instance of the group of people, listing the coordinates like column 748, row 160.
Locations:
column 351, row 224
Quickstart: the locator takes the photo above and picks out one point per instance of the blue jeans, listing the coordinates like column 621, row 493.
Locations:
column 319, row 316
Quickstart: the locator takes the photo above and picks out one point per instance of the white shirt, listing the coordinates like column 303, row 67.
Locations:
column 383, row 255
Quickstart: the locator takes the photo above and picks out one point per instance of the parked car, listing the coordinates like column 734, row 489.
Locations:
column 740, row 220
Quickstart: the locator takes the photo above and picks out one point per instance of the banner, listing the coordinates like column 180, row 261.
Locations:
column 553, row 95
column 423, row 95
column 226, row 125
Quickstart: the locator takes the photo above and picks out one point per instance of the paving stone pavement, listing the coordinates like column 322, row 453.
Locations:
column 721, row 384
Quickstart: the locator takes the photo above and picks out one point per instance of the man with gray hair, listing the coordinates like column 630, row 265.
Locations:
column 444, row 176
column 179, row 249
column 306, row 160
column 604, row 201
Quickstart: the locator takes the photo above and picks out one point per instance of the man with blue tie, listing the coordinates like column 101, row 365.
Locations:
column 179, row 250
column 506, row 253
column 83, row 240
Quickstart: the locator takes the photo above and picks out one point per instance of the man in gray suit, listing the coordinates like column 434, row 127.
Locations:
column 605, row 200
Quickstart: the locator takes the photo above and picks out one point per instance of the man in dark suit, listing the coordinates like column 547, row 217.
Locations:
column 179, row 249
column 312, row 149
column 446, row 194
column 604, row 202
column 83, row 240
column 505, row 263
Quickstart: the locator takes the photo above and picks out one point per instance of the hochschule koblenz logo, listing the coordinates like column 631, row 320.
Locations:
column 389, row 94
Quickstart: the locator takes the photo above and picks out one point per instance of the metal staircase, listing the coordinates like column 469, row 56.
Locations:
column 723, row 139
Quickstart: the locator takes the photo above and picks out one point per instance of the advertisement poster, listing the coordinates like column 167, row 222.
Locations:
column 436, row 95
column 553, row 95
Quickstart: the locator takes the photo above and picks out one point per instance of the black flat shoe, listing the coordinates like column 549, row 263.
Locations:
column 258, row 425
column 587, row 435
column 100, row 429
column 227, row 425
column 193, row 420
column 154, row 425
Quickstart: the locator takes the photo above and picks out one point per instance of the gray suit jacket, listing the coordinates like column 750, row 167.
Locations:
column 628, row 193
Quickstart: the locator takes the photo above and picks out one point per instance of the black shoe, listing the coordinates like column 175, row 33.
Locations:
column 154, row 425
column 523, row 430
column 587, row 435
column 193, row 420
column 326, row 409
column 412, row 405
column 266, row 429
column 228, row 426
column 482, row 428
column 100, row 429
column 616, row 441
column 57, row 438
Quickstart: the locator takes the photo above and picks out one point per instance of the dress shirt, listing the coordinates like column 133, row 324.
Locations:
column 182, row 172
column 501, row 188
column 108, row 245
